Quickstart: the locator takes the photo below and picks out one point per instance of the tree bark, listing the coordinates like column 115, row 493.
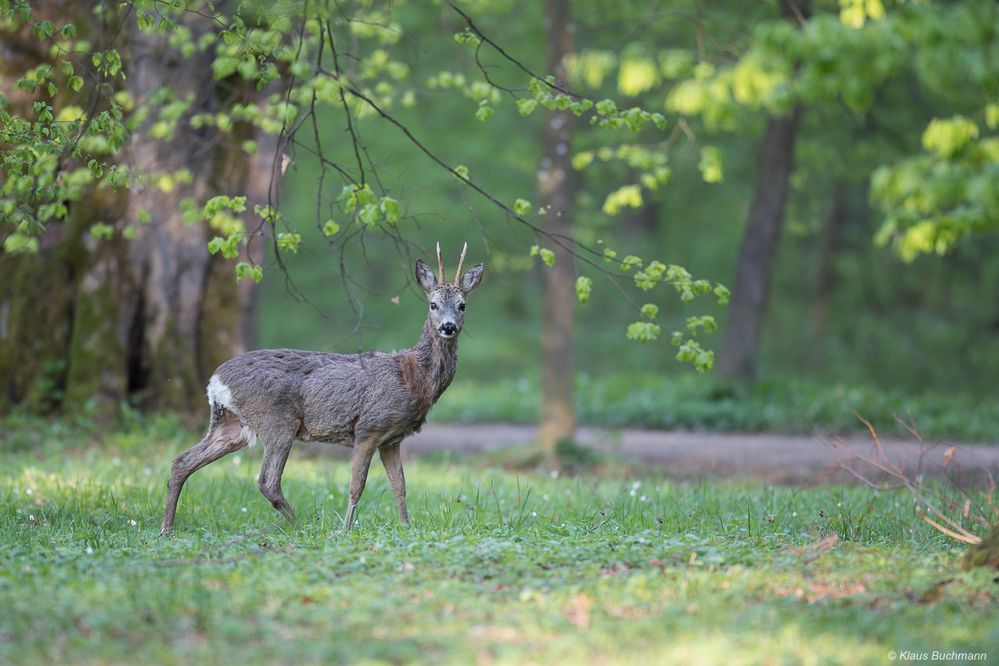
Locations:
column 738, row 357
column 556, row 187
column 143, row 320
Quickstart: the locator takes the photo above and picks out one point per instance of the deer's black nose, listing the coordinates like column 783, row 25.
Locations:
column 448, row 329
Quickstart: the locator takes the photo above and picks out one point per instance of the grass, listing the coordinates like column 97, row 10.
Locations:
column 497, row 568
column 692, row 402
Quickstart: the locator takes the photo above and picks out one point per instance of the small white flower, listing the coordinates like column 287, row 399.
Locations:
column 31, row 517
column 839, row 504
column 236, row 460
column 116, row 461
column 132, row 522
column 147, row 472
column 795, row 514
column 631, row 492
column 243, row 509
column 90, row 551
column 544, row 497
column 29, row 491
column 642, row 498
column 636, row 485
column 534, row 514
column 554, row 474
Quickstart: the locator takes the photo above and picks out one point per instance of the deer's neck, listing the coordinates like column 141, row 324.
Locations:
column 438, row 358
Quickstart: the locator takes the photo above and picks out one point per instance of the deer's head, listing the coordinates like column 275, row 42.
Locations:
column 447, row 299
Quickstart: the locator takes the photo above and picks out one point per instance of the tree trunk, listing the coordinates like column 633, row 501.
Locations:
column 144, row 320
column 830, row 241
column 556, row 187
column 739, row 354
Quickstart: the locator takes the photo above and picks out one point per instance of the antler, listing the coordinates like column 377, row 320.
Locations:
column 440, row 265
column 461, row 260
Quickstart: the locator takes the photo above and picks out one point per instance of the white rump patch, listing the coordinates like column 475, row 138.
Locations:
column 219, row 394
column 247, row 433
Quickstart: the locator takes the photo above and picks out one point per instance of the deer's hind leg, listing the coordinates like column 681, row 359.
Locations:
column 277, row 446
column 224, row 437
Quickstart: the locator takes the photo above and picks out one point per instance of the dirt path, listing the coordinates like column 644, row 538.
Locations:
column 778, row 458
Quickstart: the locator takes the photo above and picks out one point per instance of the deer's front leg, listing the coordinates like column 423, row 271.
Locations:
column 360, row 461
column 392, row 459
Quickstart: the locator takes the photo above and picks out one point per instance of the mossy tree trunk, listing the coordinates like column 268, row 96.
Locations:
column 88, row 323
column 556, row 185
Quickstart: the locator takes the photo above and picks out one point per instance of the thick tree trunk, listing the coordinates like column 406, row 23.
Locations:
column 144, row 320
column 556, row 186
column 738, row 357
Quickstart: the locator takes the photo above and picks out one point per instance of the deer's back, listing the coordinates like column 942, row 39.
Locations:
column 321, row 396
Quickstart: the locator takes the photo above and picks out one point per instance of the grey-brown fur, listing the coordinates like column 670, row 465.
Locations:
column 368, row 401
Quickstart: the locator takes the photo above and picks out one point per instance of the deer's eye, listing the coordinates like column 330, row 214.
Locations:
column 433, row 306
column 461, row 306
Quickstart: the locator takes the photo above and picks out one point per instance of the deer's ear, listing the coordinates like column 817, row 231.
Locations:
column 472, row 278
column 425, row 276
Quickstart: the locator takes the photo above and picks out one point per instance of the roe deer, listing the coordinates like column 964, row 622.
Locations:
column 368, row 401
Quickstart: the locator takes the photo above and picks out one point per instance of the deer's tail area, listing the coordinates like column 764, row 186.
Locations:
column 226, row 425
column 224, row 421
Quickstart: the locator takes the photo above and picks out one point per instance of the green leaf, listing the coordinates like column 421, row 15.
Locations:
column 245, row 270
column 643, row 331
column 626, row 195
column 369, row 215
column 20, row 243
column 390, row 210
column 584, row 286
column 711, row 165
column 582, row 159
column 947, row 136
column 101, row 230
column 522, row 207
column 75, row 83
column 289, row 241
column 330, row 228
column 631, row 261
column 484, row 112
column 547, row 256
column 650, row 310
column 43, row 30
column 606, row 107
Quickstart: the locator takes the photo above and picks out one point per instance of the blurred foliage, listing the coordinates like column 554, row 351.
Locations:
column 901, row 91
column 313, row 65
column 910, row 328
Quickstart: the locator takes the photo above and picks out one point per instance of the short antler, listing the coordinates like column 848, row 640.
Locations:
column 440, row 265
column 461, row 260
